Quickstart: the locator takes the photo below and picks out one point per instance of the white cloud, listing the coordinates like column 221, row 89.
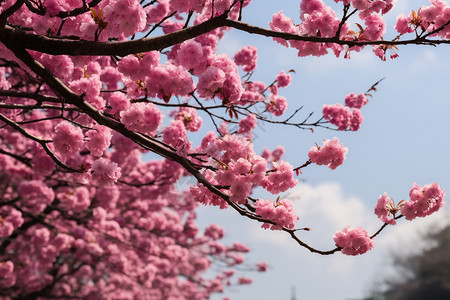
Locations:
column 427, row 59
column 407, row 235
column 327, row 204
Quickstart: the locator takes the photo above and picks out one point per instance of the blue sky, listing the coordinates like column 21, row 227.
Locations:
column 404, row 139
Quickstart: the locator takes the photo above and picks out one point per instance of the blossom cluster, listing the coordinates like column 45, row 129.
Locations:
column 221, row 80
column 246, row 57
column 353, row 241
column 320, row 20
column 331, row 153
column 348, row 116
column 427, row 18
column 281, row 213
column 385, row 209
column 423, row 201
column 240, row 170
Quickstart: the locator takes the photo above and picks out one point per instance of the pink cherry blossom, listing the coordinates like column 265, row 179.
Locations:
column 142, row 117
column 354, row 101
column 281, row 179
column 283, row 79
column 36, row 195
column 277, row 105
column 104, row 172
column 246, row 57
column 191, row 56
column 423, row 201
column 383, row 209
column 68, row 138
column 247, row 124
column 337, row 115
column 281, row 213
column 331, row 153
column 99, row 140
column 356, row 120
column 189, row 117
column 403, row 24
column 353, row 241
column 210, row 82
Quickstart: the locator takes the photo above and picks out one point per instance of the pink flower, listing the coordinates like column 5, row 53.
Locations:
column 189, row 117
column 375, row 27
column 6, row 268
column 240, row 190
column 142, row 117
column 210, row 82
column 239, row 247
column 68, row 139
column 176, row 136
column 62, row 241
column 231, row 89
column 281, row 179
column 99, row 139
column 277, row 105
column 40, row 236
column 423, row 201
column 331, row 154
column 169, row 80
column 214, row 231
column 6, row 229
column 246, row 57
column 105, row 172
column 36, row 195
column 283, row 79
column 156, row 13
column 282, row 23
column 262, row 266
column 353, row 241
column 247, row 124
column 281, row 213
column 356, row 120
column 124, row 17
column 245, row 280
column 353, row 101
column 337, row 115
column 118, row 102
column 361, row 4
column 130, row 66
column 191, row 56
column 403, row 24
column 42, row 162
column 277, row 153
column 383, row 209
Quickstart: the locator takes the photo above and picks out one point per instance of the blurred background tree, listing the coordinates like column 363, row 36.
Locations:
column 424, row 274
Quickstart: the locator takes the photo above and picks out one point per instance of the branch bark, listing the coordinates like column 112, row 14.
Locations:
column 66, row 46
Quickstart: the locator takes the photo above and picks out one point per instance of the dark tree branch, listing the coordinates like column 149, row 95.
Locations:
column 34, row 96
column 59, row 46
column 42, row 142
column 9, row 11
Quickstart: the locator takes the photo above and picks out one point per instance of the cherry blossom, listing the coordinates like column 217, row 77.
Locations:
column 119, row 118
column 331, row 153
column 353, row 241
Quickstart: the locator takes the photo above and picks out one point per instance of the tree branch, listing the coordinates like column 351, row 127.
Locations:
column 60, row 46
